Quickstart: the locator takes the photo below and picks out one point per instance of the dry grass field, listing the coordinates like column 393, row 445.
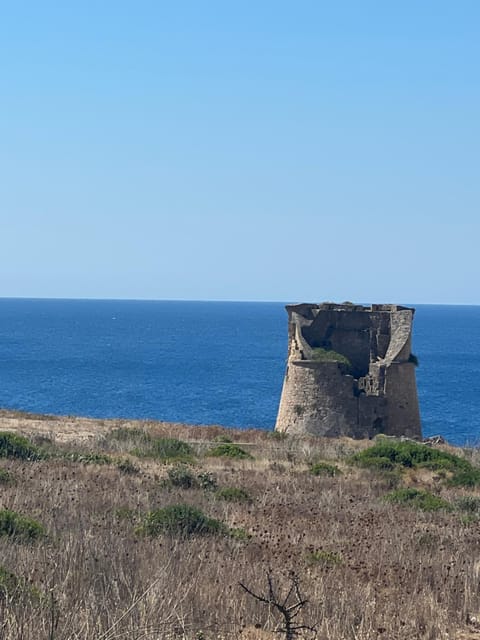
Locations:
column 129, row 534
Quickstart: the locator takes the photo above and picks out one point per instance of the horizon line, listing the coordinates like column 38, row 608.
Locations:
column 225, row 300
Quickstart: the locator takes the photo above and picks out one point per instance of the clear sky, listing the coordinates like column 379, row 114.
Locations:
column 240, row 150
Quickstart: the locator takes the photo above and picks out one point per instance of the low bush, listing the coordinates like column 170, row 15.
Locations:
column 387, row 455
column 181, row 476
column 87, row 457
column 6, row 477
column 14, row 446
column 470, row 504
column 180, row 520
column 126, row 466
column 22, row 528
column 329, row 355
column 207, row 481
column 418, row 499
column 168, row 450
column 13, row 587
column 467, row 477
column 233, row 494
column 229, row 450
column 324, row 469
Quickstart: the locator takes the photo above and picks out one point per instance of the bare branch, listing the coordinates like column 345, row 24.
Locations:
column 288, row 611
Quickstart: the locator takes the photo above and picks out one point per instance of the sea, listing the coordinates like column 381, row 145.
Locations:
column 205, row 362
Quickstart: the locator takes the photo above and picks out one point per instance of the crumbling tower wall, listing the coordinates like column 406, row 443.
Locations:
column 350, row 371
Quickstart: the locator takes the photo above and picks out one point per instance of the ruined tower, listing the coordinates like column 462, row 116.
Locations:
column 350, row 371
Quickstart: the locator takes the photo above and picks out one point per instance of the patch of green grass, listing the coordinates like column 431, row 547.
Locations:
column 167, row 450
column 329, row 355
column 469, row 518
column 237, row 533
column 18, row 527
column 325, row 558
column 125, row 513
column 88, row 457
column 387, row 455
column 13, row 587
column 467, row 477
column 469, row 504
column 229, row 450
column 15, row 446
column 324, row 469
column 418, row 499
column 126, row 466
column 233, row 494
column 6, row 477
column 180, row 520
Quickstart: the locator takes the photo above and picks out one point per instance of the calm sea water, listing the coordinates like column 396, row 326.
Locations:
column 204, row 362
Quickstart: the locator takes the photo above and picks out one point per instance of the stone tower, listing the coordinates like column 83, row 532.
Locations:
column 350, row 371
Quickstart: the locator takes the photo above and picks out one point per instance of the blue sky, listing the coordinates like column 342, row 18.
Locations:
column 240, row 150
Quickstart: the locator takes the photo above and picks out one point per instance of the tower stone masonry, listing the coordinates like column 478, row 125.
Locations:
column 350, row 371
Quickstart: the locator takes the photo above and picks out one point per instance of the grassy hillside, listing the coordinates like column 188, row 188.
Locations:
column 147, row 530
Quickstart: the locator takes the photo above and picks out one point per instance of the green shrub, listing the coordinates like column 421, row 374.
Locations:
column 181, row 520
column 126, row 466
column 14, row 525
column 233, row 494
column 125, row 513
column 229, row 450
column 168, row 450
column 418, row 499
column 15, row 446
column 470, row 504
column 469, row 518
column 324, row 469
column 388, row 455
column 11, row 586
column 326, row 558
column 238, row 533
column 88, row 457
column 181, row 476
column 382, row 463
column 222, row 438
column 9, row 583
column 6, row 477
column 329, row 355
column 467, row 477
column 207, row 481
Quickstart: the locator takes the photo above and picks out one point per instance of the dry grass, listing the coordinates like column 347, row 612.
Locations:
column 398, row 573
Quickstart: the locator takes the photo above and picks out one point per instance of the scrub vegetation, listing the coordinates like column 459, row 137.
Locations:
column 139, row 532
column 320, row 354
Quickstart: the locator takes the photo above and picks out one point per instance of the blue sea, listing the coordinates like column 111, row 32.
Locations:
column 205, row 362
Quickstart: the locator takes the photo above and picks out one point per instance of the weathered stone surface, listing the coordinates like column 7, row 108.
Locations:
column 365, row 382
